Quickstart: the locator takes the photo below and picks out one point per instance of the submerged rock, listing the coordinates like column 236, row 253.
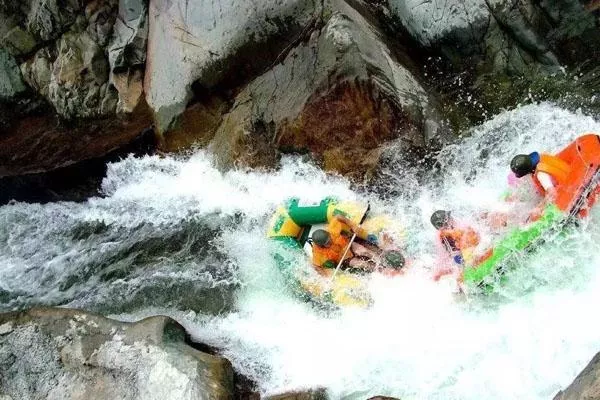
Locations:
column 586, row 385
column 61, row 353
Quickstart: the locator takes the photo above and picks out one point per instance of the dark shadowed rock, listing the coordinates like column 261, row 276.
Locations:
column 587, row 384
column 40, row 143
column 11, row 83
column 62, row 353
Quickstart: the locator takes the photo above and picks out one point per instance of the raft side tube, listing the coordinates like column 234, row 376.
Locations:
column 516, row 240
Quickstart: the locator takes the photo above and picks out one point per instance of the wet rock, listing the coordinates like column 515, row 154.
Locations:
column 41, row 142
column 78, row 179
column 431, row 22
column 340, row 95
column 317, row 394
column 197, row 125
column 586, row 385
column 206, row 42
column 127, row 53
column 48, row 19
column 11, row 83
column 502, row 35
column 17, row 40
column 61, row 353
column 130, row 86
column 74, row 78
column 128, row 45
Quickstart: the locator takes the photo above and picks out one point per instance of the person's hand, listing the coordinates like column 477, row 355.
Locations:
column 535, row 214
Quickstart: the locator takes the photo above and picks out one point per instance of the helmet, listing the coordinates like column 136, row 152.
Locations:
column 524, row 164
column 440, row 219
column 394, row 259
column 321, row 237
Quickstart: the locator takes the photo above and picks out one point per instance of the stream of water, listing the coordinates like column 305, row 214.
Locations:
column 176, row 236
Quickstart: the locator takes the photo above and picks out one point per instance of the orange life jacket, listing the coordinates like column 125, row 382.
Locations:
column 554, row 166
column 572, row 169
column 459, row 239
column 329, row 257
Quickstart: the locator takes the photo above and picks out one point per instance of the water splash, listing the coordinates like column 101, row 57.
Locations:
column 172, row 235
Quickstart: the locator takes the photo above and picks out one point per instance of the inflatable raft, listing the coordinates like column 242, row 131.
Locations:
column 576, row 193
column 290, row 228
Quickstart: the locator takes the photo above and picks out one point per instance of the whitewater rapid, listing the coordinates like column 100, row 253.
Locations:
column 176, row 236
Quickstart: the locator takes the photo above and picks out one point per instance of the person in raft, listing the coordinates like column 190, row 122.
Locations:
column 328, row 247
column 549, row 171
column 457, row 241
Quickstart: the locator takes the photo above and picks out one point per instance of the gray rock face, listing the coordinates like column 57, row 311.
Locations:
column 128, row 45
column 73, row 78
column 432, row 21
column 509, row 35
column 345, row 68
column 60, row 353
column 48, row 19
column 11, row 83
column 203, row 41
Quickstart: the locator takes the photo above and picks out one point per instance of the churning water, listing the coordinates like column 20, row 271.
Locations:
column 177, row 236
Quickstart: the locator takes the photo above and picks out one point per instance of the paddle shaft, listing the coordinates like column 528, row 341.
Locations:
column 349, row 244
column 343, row 256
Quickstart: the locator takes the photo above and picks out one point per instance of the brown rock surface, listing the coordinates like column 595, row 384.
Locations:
column 41, row 143
column 586, row 385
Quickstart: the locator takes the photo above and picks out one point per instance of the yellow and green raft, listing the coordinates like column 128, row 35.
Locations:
column 291, row 226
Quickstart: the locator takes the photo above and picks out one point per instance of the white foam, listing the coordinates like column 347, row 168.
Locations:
column 527, row 341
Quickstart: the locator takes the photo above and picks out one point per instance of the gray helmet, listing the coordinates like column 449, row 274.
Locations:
column 394, row 259
column 321, row 238
column 440, row 219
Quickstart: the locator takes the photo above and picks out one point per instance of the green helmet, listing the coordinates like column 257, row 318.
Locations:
column 394, row 259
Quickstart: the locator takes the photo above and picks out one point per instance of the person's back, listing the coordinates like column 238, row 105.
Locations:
column 548, row 172
column 456, row 241
column 329, row 245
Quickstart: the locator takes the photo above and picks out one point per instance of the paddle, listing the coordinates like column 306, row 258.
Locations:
column 350, row 244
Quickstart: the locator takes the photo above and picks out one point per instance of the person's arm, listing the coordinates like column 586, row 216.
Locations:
column 352, row 225
column 547, row 183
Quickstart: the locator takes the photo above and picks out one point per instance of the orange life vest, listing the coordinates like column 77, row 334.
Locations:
column 459, row 239
column 557, row 168
column 572, row 169
column 329, row 257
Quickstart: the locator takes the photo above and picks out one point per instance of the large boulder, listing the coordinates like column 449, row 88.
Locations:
column 60, row 353
column 506, row 36
column 207, row 42
column 341, row 94
column 586, row 385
